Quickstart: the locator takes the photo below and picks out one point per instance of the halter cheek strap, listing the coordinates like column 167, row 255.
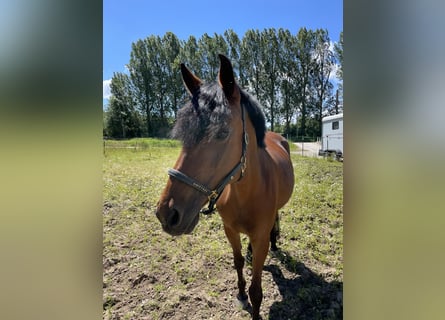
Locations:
column 213, row 195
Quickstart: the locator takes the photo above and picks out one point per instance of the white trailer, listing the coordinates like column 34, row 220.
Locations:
column 332, row 136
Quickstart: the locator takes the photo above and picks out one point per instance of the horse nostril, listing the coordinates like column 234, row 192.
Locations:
column 174, row 218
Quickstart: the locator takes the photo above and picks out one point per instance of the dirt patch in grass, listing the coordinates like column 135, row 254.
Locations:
column 148, row 274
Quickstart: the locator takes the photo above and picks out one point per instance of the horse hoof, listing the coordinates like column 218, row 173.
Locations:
column 275, row 253
column 243, row 302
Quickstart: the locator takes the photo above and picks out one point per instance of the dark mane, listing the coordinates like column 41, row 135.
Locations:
column 207, row 116
column 256, row 116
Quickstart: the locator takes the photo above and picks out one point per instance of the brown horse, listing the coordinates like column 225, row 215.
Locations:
column 229, row 160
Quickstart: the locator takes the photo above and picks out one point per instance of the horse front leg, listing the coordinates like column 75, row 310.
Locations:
column 260, row 248
column 235, row 242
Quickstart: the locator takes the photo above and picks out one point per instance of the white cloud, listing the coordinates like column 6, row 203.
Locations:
column 106, row 89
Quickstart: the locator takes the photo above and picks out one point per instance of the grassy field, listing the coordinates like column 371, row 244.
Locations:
column 151, row 275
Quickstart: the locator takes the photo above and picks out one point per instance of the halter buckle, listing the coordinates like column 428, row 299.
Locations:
column 243, row 165
column 213, row 195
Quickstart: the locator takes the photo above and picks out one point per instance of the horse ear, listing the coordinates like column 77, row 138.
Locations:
column 191, row 81
column 226, row 77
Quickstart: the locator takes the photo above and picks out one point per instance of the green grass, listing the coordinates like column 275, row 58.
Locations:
column 197, row 268
column 314, row 215
column 141, row 143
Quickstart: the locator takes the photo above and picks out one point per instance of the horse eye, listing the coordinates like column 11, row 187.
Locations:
column 222, row 134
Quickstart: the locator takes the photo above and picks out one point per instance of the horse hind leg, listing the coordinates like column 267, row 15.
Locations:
column 275, row 233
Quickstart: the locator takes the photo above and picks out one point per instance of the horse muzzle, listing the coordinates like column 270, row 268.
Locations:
column 174, row 220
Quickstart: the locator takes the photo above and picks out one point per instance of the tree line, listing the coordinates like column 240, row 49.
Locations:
column 290, row 75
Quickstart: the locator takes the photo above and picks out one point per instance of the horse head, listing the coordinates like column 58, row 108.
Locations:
column 212, row 129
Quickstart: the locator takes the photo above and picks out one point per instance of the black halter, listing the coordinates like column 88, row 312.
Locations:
column 213, row 195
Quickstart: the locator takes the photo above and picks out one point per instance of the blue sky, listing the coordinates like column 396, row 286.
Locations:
column 127, row 21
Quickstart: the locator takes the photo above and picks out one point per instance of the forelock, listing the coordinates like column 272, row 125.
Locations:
column 205, row 116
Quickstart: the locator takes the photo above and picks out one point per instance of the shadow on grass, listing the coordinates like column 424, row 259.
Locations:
column 307, row 295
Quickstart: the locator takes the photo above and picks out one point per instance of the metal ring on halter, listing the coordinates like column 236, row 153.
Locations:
column 213, row 195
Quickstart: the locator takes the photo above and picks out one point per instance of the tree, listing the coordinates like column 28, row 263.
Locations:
column 159, row 69
column 210, row 48
column 234, row 52
column 154, row 71
column 305, row 58
column 288, row 74
column 338, row 54
column 141, row 77
column 191, row 55
column 172, row 48
column 269, row 73
column 250, row 61
column 122, row 119
column 324, row 62
column 288, row 67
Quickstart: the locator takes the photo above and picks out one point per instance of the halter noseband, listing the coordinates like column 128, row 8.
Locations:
column 213, row 195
